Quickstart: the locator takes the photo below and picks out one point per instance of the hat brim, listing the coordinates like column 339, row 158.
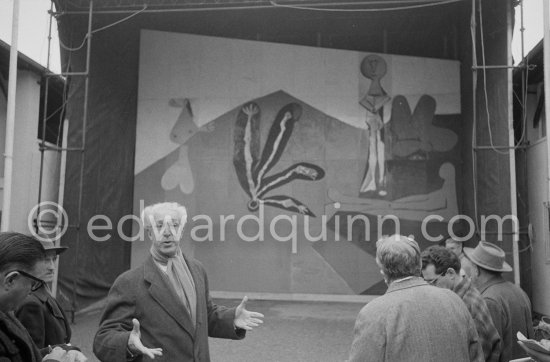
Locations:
column 469, row 253
column 58, row 249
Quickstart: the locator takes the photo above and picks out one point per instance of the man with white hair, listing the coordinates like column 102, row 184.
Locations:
column 413, row 321
column 162, row 309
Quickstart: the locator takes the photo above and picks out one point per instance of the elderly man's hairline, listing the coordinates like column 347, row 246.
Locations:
column 390, row 250
column 387, row 242
column 163, row 206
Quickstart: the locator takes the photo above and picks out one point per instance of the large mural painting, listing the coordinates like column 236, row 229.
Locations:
column 288, row 157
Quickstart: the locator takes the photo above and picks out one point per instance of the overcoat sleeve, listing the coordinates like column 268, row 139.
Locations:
column 111, row 339
column 220, row 318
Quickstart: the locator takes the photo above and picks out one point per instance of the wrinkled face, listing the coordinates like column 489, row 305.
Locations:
column 46, row 267
column 474, row 274
column 444, row 280
column 455, row 248
column 166, row 232
column 468, row 267
column 15, row 288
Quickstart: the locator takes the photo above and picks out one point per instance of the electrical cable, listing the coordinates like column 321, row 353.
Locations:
column 101, row 29
column 397, row 8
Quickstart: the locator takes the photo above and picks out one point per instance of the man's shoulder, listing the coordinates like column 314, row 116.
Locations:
column 444, row 299
column 503, row 289
column 30, row 299
column 397, row 296
column 30, row 305
column 130, row 275
column 193, row 261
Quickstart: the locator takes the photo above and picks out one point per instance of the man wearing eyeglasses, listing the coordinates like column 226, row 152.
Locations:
column 19, row 256
column 413, row 321
column 162, row 309
column 441, row 267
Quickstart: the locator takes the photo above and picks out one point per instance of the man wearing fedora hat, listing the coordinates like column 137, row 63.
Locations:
column 441, row 268
column 412, row 321
column 509, row 306
column 40, row 313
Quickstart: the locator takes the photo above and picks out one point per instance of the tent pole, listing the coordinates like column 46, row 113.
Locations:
column 83, row 150
column 61, row 196
column 546, row 63
column 10, row 120
column 512, row 153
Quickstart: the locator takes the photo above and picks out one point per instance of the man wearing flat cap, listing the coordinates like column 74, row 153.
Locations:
column 40, row 313
column 509, row 306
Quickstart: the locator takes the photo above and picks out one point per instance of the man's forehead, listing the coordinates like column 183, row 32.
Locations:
column 453, row 242
column 162, row 215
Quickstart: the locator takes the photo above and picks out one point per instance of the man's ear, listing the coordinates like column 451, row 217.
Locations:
column 8, row 282
column 452, row 273
column 148, row 232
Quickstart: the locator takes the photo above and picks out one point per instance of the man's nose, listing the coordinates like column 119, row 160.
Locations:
column 167, row 231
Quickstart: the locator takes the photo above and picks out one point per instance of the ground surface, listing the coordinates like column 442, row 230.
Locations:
column 292, row 331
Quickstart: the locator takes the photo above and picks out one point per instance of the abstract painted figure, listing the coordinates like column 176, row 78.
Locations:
column 180, row 172
column 374, row 68
column 252, row 169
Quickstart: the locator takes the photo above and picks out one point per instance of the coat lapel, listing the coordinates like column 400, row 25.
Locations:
column 55, row 308
column 162, row 292
column 200, row 288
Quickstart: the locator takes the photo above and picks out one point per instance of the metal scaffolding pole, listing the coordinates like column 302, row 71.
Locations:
column 64, row 149
column 10, row 120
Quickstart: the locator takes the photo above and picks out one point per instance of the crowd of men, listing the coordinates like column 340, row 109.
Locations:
column 445, row 303
column 442, row 304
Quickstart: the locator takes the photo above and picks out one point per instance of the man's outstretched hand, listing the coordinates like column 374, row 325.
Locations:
column 136, row 347
column 245, row 319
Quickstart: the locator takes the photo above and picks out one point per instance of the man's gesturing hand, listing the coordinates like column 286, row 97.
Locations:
column 245, row 319
column 136, row 347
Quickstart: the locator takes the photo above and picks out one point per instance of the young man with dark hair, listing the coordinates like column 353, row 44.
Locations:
column 413, row 321
column 441, row 267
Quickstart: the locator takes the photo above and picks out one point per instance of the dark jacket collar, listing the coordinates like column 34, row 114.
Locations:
column 496, row 279
column 42, row 294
